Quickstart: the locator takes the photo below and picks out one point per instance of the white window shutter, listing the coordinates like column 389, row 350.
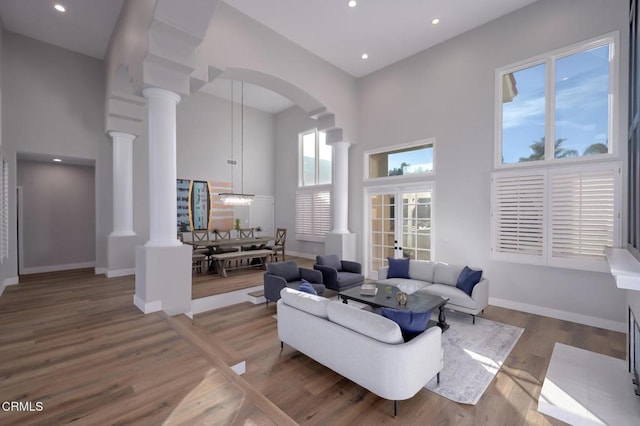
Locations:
column 584, row 215
column 313, row 213
column 518, row 217
column 4, row 209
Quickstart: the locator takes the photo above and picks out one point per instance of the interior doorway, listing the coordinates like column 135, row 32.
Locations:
column 56, row 215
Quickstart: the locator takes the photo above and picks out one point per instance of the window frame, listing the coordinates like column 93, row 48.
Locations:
column 301, row 135
column 549, row 59
column 401, row 178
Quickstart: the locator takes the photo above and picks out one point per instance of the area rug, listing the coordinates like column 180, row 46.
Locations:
column 473, row 354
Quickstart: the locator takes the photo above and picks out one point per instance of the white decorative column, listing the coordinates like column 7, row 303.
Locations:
column 340, row 241
column 341, row 187
column 122, row 183
column 122, row 240
column 163, row 264
column 163, row 209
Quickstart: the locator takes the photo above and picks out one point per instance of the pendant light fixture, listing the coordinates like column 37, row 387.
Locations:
column 233, row 198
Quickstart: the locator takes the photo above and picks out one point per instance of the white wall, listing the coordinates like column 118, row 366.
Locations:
column 56, row 100
column 58, row 215
column 447, row 92
column 204, row 143
column 289, row 124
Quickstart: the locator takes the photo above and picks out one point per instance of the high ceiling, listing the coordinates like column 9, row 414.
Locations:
column 387, row 30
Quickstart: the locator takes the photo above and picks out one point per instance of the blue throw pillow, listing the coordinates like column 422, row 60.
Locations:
column 307, row 287
column 398, row 268
column 468, row 279
column 409, row 321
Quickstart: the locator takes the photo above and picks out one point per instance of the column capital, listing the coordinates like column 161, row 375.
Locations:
column 340, row 143
column 156, row 92
column 122, row 135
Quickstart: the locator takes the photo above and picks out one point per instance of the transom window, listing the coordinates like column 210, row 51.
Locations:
column 413, row 159
column 557, row 106
column 315, row 159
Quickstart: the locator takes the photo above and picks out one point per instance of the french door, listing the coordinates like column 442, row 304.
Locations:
column 399, row 225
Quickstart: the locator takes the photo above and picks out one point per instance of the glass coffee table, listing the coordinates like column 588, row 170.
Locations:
column 416, row 303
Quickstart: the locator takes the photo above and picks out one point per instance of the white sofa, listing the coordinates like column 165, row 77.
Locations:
column 364, row 347
column 440, row 279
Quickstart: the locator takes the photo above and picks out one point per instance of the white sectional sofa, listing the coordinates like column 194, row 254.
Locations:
column 366, row 348
column 440, row 279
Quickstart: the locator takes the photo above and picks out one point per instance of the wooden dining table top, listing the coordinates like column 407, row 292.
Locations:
column 230, row 241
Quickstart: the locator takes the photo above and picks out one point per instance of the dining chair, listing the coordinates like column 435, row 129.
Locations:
column 199, row 255
column 245, row 232
column 223, row 234
column 278, row 244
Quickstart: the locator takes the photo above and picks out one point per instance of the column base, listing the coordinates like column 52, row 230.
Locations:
column 344, row 245
column 121, row 254
column 163, row 279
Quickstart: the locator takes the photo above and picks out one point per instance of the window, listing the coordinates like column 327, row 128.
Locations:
column 413, row 159
column 315, row 159
column 313, row 197
column 562, row 216
column 313, row 213
column 557, row 106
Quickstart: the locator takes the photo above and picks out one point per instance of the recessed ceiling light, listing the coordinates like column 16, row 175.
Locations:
column 364, row 56
column 57, row 160
column 59, row 8
column 435, row 21
column 352, row 3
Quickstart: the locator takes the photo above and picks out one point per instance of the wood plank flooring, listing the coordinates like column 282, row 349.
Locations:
column 75, row 342
column 313, row 394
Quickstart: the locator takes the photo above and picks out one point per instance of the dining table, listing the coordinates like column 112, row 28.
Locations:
column 221, row 263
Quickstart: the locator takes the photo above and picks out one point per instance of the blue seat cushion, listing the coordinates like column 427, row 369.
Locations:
column 349, row 279
column 306, row 287
column 398, row 268
column 410, row 322
column 468, row 279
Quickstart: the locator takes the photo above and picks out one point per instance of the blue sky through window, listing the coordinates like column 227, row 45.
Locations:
column 581, row 85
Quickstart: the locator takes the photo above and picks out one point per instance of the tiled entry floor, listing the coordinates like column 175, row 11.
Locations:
column 586, row 388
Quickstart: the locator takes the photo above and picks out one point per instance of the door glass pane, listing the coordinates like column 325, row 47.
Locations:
column 382, row 236
column 309, row 159
column 582, row 103
column 416, row 235
column 523, row 105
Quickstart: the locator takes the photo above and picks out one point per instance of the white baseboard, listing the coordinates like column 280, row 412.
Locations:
column 302, row 255
column 7, row 282
column 100, row 271
column 120, row 272
column 562, row 315
column 55, row 268
column 147, row 308
column 210, row 303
